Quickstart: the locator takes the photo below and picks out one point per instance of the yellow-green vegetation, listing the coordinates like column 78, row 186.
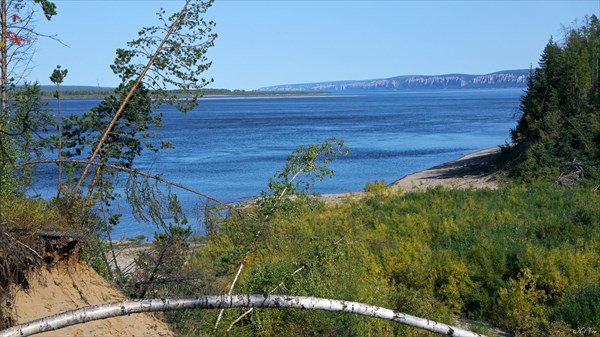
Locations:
column 524, row 259
column 377, row 186
column 31, row 214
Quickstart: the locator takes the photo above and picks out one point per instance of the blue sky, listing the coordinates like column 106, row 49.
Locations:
column 264, row 43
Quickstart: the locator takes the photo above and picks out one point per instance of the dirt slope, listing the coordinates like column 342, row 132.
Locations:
column 68, row 286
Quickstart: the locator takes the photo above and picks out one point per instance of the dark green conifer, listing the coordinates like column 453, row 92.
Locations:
column 559, row 112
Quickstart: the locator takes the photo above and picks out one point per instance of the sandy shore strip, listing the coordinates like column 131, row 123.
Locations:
column 473, row 170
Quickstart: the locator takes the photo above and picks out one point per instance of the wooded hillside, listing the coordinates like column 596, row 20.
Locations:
column 559, row 120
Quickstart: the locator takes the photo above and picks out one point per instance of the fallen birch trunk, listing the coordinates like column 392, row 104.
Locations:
column 104, row 311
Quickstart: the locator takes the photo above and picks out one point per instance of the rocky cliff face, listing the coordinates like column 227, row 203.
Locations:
column 501, row 79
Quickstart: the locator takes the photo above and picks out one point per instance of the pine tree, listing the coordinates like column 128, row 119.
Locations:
column 559, row 111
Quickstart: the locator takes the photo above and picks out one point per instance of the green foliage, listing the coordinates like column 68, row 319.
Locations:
column 94, row 255
column 243, row 237
column 160, row 270
column 129, row 138
column 515, row 258
column 520, row 304
column 27, row 117
column 34, row 215
column 176, row 62
column 125, row 143
column 581, row 308
column 49, row 8
column 302, row 169
column 378, row 186
column 560, row 120
column 57, row 77
column 181, row 60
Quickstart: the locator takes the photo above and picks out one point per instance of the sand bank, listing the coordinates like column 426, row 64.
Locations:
column 470, row 171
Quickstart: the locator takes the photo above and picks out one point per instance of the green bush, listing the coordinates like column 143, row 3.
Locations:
column 378, row 186
column 581, row 308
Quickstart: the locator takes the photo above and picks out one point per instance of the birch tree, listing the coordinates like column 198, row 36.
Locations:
column 303, row 167
column 17, row 36
column 104, row 311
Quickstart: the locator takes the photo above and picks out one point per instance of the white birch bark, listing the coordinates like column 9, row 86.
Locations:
column 230, row 291
column 104, row 311
column 251, row 309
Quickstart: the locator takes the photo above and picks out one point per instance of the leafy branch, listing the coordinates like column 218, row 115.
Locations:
column 309, row 163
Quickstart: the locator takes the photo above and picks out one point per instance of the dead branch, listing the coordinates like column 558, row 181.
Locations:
column 24, row 245
column 572, row 178
column 123, row 169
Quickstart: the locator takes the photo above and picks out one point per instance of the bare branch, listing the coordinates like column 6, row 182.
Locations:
column 229, row 293
column 24, row 245
column 124, row 169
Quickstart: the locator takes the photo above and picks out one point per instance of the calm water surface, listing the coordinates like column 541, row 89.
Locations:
column 229, row 147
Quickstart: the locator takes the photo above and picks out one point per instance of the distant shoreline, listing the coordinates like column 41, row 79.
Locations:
column 279, row 96
column 100, row 93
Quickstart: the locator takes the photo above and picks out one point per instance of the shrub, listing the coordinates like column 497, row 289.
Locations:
column 581, row 308
column 378, row 186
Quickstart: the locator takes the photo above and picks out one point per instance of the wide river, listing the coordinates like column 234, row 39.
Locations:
column 228, row 147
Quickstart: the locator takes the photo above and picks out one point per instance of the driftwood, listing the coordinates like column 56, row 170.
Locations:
column 97, row 312
column 572, row 178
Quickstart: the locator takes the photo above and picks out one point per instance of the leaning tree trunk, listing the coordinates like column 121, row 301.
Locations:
column 125, row 101
column 103, row 311
column 3, row 60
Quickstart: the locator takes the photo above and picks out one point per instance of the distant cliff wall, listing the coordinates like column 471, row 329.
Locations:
column 501, row 79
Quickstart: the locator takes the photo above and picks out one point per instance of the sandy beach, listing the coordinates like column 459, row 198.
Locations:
column 473, row 170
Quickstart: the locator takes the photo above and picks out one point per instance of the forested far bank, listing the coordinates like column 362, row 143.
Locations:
column 84, row 92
